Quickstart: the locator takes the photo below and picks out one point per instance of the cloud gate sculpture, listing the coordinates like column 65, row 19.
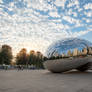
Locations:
column 80, row 57
column 63, row 65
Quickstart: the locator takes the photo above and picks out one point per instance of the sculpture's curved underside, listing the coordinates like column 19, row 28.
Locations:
column 62, row 65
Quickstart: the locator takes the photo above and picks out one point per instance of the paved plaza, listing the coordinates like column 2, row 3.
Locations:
column 45, row 81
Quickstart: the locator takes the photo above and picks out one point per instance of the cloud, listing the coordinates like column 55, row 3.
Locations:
column 88, row 6
column 72, row 20
column 88, row 14
column 60, row 3
column 72, row 3
column 54, row 14
column 76, row 34
column 1, row 1
column 37, row 23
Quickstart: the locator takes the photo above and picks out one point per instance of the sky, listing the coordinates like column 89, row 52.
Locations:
column 36, row 24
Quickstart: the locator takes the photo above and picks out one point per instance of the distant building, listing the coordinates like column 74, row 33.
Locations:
column 63, row 55
column 90, row 50
column 75, row 52
column 69, row 53
column 84, row 51
column 79, row 53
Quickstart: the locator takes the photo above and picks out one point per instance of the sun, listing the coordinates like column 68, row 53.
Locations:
column 31, row 44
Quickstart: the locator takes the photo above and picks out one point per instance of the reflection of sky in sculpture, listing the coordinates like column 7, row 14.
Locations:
column 35, row 24
column 63, row 46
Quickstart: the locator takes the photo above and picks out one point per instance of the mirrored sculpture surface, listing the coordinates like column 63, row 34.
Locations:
column 68, row 54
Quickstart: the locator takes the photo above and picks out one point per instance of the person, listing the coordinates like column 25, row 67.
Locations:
column 6, row 67
column 20, row 67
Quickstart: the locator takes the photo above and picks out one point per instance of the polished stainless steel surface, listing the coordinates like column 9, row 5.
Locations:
column 62, row 65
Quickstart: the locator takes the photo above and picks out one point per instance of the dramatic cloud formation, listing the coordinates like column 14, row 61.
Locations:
column 35, row 24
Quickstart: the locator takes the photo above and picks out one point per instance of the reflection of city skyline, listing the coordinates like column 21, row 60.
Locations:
column 62, row 46
column 75, row 52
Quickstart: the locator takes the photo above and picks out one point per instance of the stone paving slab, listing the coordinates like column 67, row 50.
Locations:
column 45, row 81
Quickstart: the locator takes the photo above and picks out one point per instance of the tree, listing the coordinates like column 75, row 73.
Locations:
column 32, row 57
column 36, row 59
column 45, row 58
column 22, row 57
column 39, row 59
column 6, row 54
